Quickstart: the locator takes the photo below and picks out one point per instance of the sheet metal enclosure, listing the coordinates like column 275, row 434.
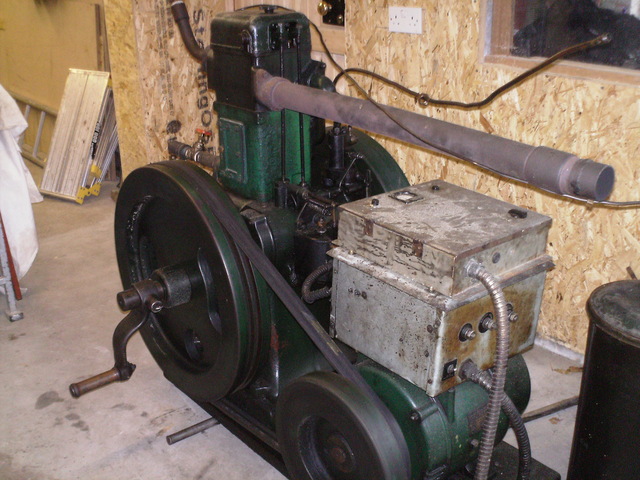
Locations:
column 400, row 293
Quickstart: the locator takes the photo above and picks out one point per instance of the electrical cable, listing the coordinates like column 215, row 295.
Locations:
column 425, row 100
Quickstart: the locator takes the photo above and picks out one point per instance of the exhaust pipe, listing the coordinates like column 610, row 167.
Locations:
column 551, row 170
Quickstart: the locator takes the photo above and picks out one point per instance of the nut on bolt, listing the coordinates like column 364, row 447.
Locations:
column 486, row 322
column 467, row 333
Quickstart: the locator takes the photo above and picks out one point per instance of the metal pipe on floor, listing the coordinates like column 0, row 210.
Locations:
column 192, row 430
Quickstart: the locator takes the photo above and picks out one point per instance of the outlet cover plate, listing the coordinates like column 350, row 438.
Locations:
column 405, row 20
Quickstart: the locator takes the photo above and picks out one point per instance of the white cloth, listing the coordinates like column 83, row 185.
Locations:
column 17, row 188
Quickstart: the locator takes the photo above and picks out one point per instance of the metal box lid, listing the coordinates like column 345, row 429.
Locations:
column 428, row 232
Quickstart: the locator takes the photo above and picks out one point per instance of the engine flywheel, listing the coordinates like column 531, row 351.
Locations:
column 209, row 344
column 329, row 430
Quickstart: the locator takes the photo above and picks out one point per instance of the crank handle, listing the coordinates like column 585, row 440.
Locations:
column 100, row 380
column 122, row 368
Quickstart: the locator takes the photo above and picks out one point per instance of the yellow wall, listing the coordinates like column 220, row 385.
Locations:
column 40, row 41
column 590, row 245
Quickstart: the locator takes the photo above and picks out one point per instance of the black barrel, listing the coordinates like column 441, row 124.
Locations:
column 606, row 440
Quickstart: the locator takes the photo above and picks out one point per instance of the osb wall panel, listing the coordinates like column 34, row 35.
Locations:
column 155, row 78
column 174, row 85
column 591, row 245
column 125, row 77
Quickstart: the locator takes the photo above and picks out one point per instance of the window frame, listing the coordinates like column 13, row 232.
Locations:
column 497, row 39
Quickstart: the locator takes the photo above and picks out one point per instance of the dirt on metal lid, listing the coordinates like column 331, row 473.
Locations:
column 616, row 306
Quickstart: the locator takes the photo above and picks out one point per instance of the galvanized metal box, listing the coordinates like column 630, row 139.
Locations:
column 400, row 294
column 428, row 232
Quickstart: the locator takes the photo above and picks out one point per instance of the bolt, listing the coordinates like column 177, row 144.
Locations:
column 496, row 257
column 357, row 293
column 486, row 323
column 375, row 202
column 415, row 417
column 154, row 304
column 451, row 369
column 435, row 187
column 467, row 333
column 322, row 225
column 246, row 40
column 513, row 317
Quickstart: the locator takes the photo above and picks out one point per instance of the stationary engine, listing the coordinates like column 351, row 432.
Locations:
column 309, row 298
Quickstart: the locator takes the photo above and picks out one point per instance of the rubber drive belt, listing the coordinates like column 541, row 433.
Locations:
column 307, row 321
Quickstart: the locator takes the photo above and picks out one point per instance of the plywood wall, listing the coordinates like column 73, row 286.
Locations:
column 155, row 80
column 590, row 245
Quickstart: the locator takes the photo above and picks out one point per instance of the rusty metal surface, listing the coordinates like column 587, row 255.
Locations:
column 430, row 234
column 401, row 295
column 417, row 336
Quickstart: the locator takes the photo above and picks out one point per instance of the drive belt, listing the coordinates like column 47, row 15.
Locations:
column 307, row 321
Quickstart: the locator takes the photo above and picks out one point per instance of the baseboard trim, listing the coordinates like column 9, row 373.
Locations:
column 559, row 349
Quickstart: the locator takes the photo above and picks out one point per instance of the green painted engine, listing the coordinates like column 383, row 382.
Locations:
column 361, row 380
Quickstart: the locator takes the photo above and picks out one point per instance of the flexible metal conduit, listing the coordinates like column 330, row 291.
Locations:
column 311, row 296
column 470, row 371
column 546, row 168
column 475, row 270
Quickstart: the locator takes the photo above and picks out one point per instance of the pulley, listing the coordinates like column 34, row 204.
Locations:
column 207, row 340
column 328, row 429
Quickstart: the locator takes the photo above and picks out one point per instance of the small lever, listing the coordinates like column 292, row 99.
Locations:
column 122, row 370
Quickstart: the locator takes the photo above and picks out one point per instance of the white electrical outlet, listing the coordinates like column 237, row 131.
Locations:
column 405, row 20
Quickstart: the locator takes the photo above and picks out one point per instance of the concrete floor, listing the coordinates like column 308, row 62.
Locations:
column 118, row 432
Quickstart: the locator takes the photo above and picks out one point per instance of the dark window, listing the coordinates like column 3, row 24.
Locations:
column 544, row 27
